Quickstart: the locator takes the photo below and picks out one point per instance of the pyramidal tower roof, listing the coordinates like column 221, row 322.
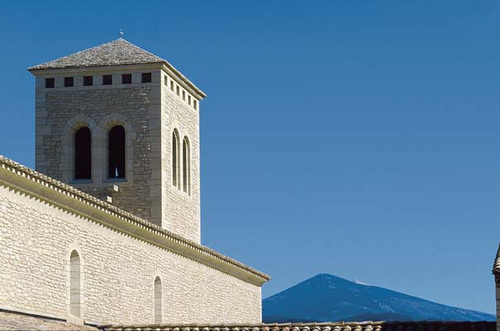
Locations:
column 114, row 53
column 496, row 264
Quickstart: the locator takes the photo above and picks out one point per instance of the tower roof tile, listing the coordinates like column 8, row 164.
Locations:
column 116, row 52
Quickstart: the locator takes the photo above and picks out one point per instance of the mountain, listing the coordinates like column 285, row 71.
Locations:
column 327, row 298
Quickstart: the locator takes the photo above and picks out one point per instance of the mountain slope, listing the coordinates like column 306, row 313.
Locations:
column 329, row 298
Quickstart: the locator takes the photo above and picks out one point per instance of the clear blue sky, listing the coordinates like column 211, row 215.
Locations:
column 358, row 138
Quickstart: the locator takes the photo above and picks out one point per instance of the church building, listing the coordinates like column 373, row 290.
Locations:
column 107, row 229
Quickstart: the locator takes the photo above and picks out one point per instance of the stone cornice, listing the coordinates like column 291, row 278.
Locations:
column 43, row 187
column 163, row 65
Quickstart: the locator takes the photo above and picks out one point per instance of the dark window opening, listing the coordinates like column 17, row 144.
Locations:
column 107, row 79
column 88, row 81
column 186, row 166
column 146, row 77
column 127, row 79
column 175, row 159
column 165, row 82
column 49, row 82
column 68, row 81
column 83, row 154
column 116, row 152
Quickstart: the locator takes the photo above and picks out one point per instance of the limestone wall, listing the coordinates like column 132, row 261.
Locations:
column 37, row 237
column 181, row 210
column 60, row 111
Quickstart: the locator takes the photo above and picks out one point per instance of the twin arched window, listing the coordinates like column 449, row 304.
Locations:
column 176, row 162
column 83, row 153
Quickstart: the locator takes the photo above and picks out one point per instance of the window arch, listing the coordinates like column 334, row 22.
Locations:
column 116, row 152
column 186, row 166
column 75, row 290
column 157, row 300
column 175, row 159
column 83, row 152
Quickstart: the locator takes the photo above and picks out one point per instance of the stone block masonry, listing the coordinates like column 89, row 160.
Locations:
column 44, row 221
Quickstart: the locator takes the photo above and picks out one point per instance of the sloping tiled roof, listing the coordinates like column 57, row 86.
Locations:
column 20, row 321
column 116, row 52
column 496, row 264
column 330, row 326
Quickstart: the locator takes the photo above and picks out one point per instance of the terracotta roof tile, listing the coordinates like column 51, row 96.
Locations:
column 328, row 326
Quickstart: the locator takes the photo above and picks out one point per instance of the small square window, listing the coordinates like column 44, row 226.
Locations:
column 88, row 80
column 127, row 79
column 49, row 82
column 165, row 81
column 68, row 81
column 107, row 79
column 195, row 104
column 146, row 77
column 172, row 85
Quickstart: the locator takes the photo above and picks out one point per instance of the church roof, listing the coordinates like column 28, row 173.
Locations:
column 326, row 326
column 114, row 53
column 496, row 265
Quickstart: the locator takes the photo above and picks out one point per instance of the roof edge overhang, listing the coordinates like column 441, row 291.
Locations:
column 40, row 186
column 162, row 65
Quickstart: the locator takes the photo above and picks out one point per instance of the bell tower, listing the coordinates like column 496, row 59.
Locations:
column 122, row 124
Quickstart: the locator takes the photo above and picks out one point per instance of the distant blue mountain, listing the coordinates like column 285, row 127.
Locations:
column 326, row 298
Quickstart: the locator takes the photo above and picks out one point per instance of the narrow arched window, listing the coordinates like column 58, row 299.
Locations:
column 158, row 300
column 116, row 152
column 186, row 166
column 83, row 153
column 175, row 159
column 75, row 290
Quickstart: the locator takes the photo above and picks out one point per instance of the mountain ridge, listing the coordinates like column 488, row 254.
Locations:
column 325, row 298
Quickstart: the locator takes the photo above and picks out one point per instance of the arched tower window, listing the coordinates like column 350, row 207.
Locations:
column 116, row 152
column 158, row 301
column 186, row 166
column 175, row 159
column 75, row 291
column 83, row 161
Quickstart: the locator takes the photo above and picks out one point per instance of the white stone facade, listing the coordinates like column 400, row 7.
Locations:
column 43, row 221
column 119, row 241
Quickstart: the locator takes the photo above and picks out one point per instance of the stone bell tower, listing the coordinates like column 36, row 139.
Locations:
column 496, row 274
column 122, row 124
